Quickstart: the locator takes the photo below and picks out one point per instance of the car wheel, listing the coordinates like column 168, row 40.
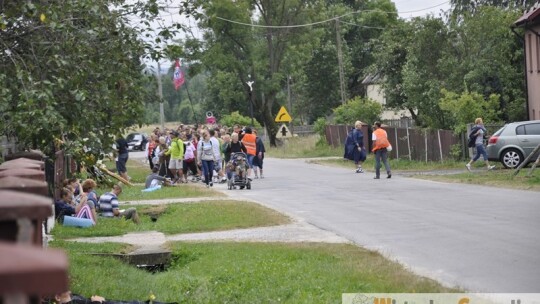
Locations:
column 511, row 158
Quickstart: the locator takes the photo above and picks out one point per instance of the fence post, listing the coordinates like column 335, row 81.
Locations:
column 425, row 140
column 409, row 144
column 397, row 143
column 440, row 144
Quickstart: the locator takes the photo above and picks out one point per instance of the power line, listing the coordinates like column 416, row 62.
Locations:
column 328, row 20
column 363, row 26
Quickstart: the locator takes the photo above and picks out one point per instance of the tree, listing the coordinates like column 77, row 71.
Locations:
column 390, row 53
column 75, row 72
column 477, row 54
column 466, row 107
column 374, row 18
column 422, row 76
column 236, row 53
column 235, row 118
column 472, row 6
column 487, row 58
column 358, row 108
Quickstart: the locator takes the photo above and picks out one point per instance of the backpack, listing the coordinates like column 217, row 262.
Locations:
column 471, row 143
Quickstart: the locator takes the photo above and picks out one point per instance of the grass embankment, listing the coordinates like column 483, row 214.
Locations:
column 138, row 171
column 497, row 178
column 243, row 273
column 395, row 164
column 302, row 147
column 182, row 218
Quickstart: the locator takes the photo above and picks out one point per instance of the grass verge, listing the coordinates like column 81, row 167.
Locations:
column 135, row 193
column 244, row 273
column 395, row 164
column 497, row 178
column 137, row 170
column 302, row 147
column 182, row 218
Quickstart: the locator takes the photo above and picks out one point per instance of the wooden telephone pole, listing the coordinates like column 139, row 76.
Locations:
column 340, row 64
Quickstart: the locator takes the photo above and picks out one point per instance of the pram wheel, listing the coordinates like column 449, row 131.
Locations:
column 248, row 186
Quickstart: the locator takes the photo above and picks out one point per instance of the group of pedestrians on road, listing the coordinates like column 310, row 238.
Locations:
column 202, row 152
column 355, row 149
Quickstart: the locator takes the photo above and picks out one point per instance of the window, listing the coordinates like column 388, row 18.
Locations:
column 533, row 129
column 520, row 130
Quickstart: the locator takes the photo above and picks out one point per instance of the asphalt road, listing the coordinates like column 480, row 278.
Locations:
column 482, row 239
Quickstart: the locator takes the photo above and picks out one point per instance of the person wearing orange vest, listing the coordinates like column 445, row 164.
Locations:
column 380, row 146
column 250, row 142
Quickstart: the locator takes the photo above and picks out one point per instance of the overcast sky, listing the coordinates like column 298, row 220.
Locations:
column 415, row 8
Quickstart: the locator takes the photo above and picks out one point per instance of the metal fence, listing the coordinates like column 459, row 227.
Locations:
column 303, row 130
column 407, row 143
column 405, row 122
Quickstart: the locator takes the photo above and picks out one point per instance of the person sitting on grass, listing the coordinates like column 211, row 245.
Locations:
column 64, row 206
column 89, row 202
column 68, row 297
column 108, row 206
column 154, row 179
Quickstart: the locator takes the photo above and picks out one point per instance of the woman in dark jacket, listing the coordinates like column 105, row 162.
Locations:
column 259, row 155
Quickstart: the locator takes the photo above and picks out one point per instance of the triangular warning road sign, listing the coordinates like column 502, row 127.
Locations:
column 283, row 115
column 283, row 132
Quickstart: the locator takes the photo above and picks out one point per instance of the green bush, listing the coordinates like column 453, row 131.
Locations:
column 364, row 109
column 319, row 126
column 237, row 118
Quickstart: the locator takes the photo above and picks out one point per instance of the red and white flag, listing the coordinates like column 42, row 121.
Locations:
column 178, row 76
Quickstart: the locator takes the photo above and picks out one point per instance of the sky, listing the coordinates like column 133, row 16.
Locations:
column 416, row 8
column 406, row 9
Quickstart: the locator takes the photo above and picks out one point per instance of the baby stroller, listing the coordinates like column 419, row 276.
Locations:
column 237, row 171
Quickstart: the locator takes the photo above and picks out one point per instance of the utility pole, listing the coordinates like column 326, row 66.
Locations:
column 289, row 97
column 160, row 94
column 340, row 64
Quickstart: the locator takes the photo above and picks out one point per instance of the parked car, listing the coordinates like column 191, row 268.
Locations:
column 136, row 141
column 512, row 143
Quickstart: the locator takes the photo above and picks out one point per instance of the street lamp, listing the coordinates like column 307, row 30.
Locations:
column 250, row 84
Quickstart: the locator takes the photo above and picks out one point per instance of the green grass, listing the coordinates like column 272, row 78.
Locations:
column 135, row 193
column 244, row 273
column 137, row 170
column 502, row 178
column 182, row 218
column 302, row 147
column 395, row 164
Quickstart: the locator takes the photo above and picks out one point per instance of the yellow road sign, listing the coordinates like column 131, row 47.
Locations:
column 283, row 115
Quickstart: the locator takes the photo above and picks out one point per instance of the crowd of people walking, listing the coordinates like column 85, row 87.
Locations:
column 201, row 153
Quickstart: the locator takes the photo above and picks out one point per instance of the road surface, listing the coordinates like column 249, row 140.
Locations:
column 482, row 239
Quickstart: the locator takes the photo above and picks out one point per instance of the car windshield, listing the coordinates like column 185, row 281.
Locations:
column 132, row 137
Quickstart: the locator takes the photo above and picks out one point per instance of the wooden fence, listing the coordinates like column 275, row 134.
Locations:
column 407, row 143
